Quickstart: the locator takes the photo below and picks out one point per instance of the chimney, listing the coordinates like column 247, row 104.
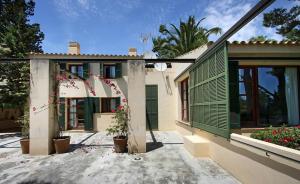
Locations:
column 74, row 48
column 132, row 52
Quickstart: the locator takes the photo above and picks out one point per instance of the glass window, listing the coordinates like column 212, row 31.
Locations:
column 109, row 71
column 271, row 92
column 246, row 98
column 76, row 70
column 109, row 104
column 184, row 100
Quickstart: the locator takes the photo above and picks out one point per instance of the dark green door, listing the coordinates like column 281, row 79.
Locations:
column 151, row 107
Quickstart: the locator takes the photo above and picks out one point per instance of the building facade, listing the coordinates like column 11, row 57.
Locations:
column 243, row 85
column 90, row 93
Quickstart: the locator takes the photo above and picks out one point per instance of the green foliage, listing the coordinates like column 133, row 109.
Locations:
column 17, row 38
column 288, row 137
column 120, row 124
column 24, row 121
column 260, row 38
column 286, row 22
column 176, row 41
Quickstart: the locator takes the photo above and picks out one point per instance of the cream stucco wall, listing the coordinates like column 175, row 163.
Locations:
column 245, row 165
column 167, row 93
column 166, row 96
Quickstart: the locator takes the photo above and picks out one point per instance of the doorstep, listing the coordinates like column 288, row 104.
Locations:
column 196, row 145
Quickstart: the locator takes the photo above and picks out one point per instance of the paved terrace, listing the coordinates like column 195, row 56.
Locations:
column 92, row 160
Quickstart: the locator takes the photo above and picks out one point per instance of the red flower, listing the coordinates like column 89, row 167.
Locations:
column 113, row 111
column 120, row 107
column 298, row 126
column 274, row 132
column 124, row 100
column 268, row 140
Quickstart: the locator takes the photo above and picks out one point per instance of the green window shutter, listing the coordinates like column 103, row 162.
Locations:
column 209, row 103
column 88, row 113
column 96, row 105
column 85, row 70
column 61, row 117
column 62, row 66
column 101, row 70
column 118, row 70
column 234, row 94
column 118, row 102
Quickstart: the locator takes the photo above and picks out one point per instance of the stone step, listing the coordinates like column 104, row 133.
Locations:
column 196, row 145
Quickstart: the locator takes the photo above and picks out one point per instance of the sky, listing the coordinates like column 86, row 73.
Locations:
column 114, row 26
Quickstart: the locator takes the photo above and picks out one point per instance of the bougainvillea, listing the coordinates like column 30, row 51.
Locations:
column 284, row 136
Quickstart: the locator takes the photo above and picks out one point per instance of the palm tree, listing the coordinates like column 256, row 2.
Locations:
column 179, row 40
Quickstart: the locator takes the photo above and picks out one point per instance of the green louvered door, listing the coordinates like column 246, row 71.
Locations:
column 209, row 107
column 151, row 107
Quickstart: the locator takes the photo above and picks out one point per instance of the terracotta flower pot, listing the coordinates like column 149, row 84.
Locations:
column 120, row 144
column 62, row 144
column 25, row 145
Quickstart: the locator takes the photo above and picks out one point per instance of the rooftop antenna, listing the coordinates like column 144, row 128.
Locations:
column 144, row 39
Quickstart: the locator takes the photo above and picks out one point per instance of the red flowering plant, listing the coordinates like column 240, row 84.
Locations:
column 283, row 136
column 119, row 128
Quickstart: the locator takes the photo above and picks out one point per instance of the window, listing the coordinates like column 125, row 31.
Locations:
column 109, row 71
column 109, row 104
column 76, row 70
column 185, row 100
column 268, row 95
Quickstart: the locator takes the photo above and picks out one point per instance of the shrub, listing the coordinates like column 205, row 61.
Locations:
column 120, row 124
column 283, row 136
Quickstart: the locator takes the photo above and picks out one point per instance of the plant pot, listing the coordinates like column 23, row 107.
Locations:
column 62, row 144
column 120, row 144
column 25, row 145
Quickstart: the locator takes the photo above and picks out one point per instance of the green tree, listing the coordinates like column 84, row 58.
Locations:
column 286, row 22
column 175, row 41
column 260, row 38
column 18, row 37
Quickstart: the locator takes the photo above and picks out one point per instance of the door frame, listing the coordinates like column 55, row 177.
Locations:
column 68, row 111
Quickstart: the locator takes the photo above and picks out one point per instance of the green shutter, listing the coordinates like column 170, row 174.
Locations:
column 234, row 94
column 118, row 70
column 61, row 117
column 101, row 70
column 96, row 105
column 118, row 101
column 88, row 113
column 209, row 103
column 62, row 66
column 85, row 70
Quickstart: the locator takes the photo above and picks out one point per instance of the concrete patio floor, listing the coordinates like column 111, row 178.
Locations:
column 92, row 160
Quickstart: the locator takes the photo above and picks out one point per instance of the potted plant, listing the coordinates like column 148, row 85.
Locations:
column 24, row 121
column 119, row 129
column 61, row 143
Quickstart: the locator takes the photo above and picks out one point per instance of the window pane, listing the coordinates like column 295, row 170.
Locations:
column 113, row 72
column 73, row 69
column 272, row 100
column 80, row 71
column 245, row 74
column 113, row 104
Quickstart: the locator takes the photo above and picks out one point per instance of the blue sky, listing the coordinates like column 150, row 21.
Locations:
column 113, row 26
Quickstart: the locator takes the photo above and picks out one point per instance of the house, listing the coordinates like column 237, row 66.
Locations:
column 243, row 85
column 232, row 90
column 89, row 93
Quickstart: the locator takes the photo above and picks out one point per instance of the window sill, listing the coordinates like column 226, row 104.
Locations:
column 187, row 123
column 107, row 113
